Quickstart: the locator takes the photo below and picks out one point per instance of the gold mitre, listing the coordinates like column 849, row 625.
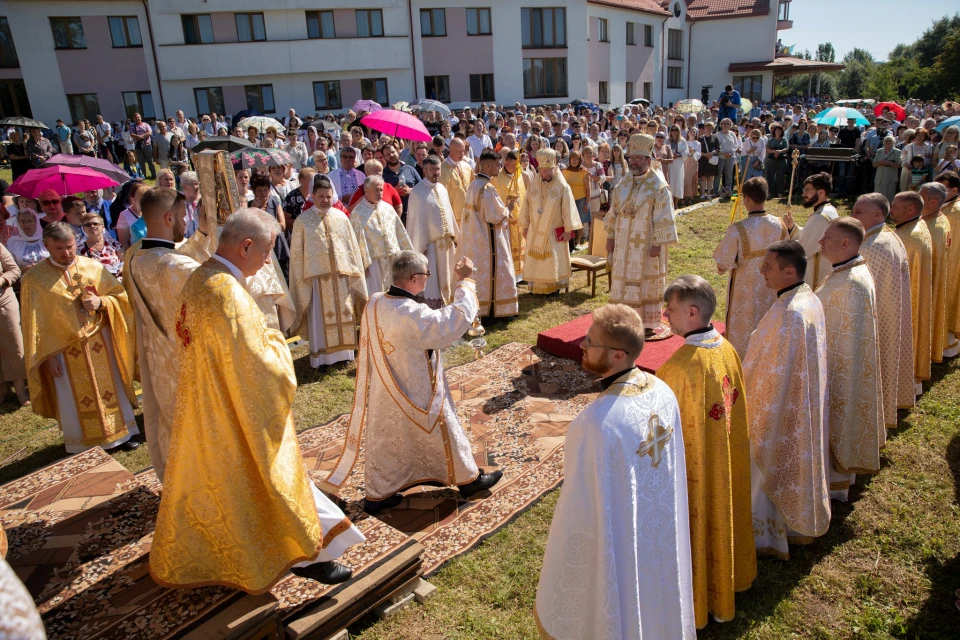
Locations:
column 547, row 158
column 640, row 144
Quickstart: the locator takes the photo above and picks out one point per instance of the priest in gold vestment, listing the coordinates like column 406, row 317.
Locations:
column 951, row 209
column 511, row 185
column 485, row 239
column 640, row 227
column 380, row 234
column 855, row 419
column 433, row 231
column 237, row 508
column 456, row 176
column 887, row 260
column 905, row 210
column 934, row 195
column 155, row 270
column 548, row 220
column 326, row 279
column 741, row 252
column 786, row 377
column 403, row 412
column 79, row 346
column 706, row 377
column 816, row 196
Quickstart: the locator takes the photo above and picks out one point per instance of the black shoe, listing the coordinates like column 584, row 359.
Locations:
column 483, row 482
column 326, row 572
column 131, row 444
column 649, row 333
column 376, row 506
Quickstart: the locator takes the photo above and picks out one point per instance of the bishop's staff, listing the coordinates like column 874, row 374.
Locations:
column 793, row 174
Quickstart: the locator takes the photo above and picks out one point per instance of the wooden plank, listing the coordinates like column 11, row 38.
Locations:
column 250, row 617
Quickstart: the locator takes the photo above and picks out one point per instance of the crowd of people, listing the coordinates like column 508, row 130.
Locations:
column 688, row 475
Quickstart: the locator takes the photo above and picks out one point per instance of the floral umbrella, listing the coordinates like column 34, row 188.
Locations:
column 261, row 158
column 689, row 105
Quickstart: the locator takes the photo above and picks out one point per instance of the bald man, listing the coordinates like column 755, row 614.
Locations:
column 456, row 176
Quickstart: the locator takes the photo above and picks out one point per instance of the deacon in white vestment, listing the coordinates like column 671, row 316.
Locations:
column 816, row 195
column 326, row 279
column 433, row 229
column 155, row 270
column 617, row 563
column 786, row 374
column 402, row 400
column 380, row 234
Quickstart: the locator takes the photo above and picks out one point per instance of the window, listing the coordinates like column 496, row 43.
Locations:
column 631, row 39
column 326, row 95
column 674, row 77
column 138, row 102
column 83, row 106
column 250, row 27
column 544, row 28
column 648, row 91
column 260, row 97
column 433, row 23
column 437, row 87
column 783, row 12
column 478, row 22
column 375, row 89
column 604, row 92
column 481, row 87
column 544, row 77
column 13, row 99
column 320, row 24
column 197, row 29
column 674, row 44
column 125, row 32
column 209, row 100
column 369, row 23
column 8, row 52
column 630, row 92
column 68, row 33
column 648, row 35
column 602, row 35
column 750, row 87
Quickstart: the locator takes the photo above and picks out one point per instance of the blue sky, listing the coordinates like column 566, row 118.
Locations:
column 875, row 25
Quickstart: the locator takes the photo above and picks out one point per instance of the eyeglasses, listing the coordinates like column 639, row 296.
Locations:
column 91, row 225
column 427, row 274
column 587, row 343
column 48, row 203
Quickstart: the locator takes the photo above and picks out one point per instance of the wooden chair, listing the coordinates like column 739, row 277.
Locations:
column 595, row 266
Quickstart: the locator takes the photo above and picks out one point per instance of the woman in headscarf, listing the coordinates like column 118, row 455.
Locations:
column 27, row 248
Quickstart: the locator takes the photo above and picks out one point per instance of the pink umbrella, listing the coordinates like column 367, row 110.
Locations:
column 63, row 179
column 398, row 124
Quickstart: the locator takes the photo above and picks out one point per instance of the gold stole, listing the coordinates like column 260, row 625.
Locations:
column 542, row 249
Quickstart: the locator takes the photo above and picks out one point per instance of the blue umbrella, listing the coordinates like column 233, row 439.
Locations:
column 954, row 120
column 838, row 116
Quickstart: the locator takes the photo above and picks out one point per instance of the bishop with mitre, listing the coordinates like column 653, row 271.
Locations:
column 433, row 230
column 855, row 418
column 380, row 234
column 548, row 219
column 639, row 228
column 617, row 563
column 402, row 409
column 79, row 346
column 485, row 239
column 706, row 377
column 238, row 509
column 326, row 279
column 786, row 374
column 511, row 184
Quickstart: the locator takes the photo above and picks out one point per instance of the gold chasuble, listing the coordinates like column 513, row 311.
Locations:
column 741, row 253
column 939, row 228
column 786, row 375
column 640, row 216
column 324, row 252
column 548, row 210
column 237, row 508
column 706, row 377
column 952, row 210
column 887, row 260
column 855, row 418
column 513, row 191
column 919, row 246
column 456, row 177
column 95, row 347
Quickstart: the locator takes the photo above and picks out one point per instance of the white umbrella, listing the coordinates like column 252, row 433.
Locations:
column 261, row 123
column 433, row 105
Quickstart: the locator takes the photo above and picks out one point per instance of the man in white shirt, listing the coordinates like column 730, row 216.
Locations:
column 104, row 138
column 479, row 140
column 729, row 145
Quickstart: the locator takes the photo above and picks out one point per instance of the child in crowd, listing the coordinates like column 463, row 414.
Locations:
column 919, row 174
column 132, row 167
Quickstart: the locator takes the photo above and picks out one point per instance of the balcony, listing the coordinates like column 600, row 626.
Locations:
column 272, row 57
column 784, row 24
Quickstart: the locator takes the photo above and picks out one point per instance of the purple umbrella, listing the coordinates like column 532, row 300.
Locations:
column 369, row 106
column 99, row 165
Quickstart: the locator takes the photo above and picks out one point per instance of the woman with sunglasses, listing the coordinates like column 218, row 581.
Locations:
column 100, row 246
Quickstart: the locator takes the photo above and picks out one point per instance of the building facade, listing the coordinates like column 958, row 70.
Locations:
column 76, row 59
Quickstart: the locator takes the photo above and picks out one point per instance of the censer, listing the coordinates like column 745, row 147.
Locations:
column 476, row 331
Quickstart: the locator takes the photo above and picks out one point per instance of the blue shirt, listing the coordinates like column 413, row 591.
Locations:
column 407, row 174
column 63, row 132
column 730, row 110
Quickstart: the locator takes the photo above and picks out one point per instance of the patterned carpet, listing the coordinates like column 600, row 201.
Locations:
column 516, row 406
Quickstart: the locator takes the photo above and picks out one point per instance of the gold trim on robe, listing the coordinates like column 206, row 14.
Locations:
column 919, row 247
column 939, row 228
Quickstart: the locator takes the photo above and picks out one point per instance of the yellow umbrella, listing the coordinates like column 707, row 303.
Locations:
column 746, row 105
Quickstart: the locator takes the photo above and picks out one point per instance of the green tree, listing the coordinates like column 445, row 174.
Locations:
column 947, row 66
column 860, row 55
column 825, row 52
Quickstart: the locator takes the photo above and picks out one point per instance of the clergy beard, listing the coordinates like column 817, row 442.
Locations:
column 599, row 366
column 810, row 203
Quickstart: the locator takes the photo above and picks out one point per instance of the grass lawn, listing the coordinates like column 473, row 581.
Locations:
column 886, row 569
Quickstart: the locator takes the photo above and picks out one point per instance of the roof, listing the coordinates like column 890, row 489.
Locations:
column 646, row 6
column 786, row 65
column 719, row 9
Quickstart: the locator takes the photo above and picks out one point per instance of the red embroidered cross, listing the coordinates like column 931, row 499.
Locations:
column 730, row 395
column 182, row 331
